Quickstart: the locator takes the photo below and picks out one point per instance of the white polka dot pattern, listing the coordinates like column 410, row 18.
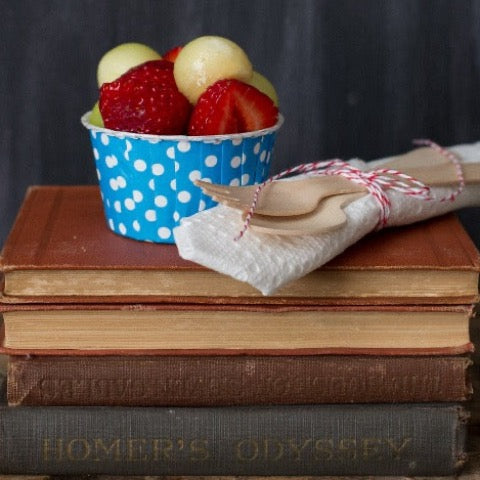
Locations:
column 147, row 183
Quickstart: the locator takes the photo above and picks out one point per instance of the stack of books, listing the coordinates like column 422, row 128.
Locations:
column 126, row 359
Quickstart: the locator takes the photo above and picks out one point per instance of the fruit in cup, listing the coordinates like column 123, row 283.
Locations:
column 172, row 54
column 264, row 85
column 145, row 99
column 121, row 58
column 96, row 117
column 207, row 59
column 231, row 106
column 206, row 87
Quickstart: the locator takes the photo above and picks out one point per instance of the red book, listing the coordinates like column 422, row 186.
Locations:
column 60, row 250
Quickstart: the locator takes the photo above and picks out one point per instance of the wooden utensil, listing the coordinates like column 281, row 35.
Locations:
column 297, row 197
column 281, row 198
column 329, row 214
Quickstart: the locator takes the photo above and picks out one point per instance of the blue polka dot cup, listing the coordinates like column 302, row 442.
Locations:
column 146, row 181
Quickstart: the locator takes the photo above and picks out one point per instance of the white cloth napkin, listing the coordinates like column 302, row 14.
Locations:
column 269, row 262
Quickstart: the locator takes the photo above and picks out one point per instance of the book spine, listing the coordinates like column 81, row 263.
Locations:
column 235, row 380
column 474, row 403
column 413, row 439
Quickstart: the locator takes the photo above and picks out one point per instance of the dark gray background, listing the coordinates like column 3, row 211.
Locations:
column 355, row 77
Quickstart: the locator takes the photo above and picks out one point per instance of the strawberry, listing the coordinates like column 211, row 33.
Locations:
column 231, row 106
column 172, row 54
column 145, row 99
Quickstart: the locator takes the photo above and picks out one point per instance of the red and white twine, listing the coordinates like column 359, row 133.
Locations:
column 377, row 182
column 454, row 160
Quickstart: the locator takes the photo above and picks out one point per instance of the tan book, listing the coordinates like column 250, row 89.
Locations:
column 240, row 329
column 60, row 250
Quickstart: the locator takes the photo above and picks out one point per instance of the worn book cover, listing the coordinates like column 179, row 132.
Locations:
column 237, row 329
column 61, row 250
column 354, row 439
column 205, row 380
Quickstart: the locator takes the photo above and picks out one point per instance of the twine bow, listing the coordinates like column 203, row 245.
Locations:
column 377, row 182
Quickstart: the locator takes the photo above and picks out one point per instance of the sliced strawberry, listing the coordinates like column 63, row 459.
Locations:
column 145, row 100
column 214, row 112
column 172, row 54
column 254, row 109
column 231, row 106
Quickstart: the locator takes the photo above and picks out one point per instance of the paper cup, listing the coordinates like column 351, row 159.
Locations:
column 146, row 181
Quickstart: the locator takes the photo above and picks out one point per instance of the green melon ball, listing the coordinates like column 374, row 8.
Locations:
column 96, row 117
column 264, row 85
column 122, row 58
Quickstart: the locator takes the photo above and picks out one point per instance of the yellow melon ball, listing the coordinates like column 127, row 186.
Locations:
column 207, row 59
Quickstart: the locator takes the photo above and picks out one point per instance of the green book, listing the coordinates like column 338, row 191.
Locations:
column 352, row 439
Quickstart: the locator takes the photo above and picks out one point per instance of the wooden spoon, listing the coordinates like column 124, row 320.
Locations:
column 297, row 197
column 329, row 214
column 281, row 198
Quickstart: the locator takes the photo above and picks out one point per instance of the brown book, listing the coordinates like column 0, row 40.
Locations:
column 235, row 380
column 60, row 250
column 474, row 403
column 234, row 329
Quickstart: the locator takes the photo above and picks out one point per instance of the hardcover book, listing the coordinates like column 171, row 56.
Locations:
column 395, row 439
column 238, row 329
column 61, row 251
column 235, row 380
column 474, row 403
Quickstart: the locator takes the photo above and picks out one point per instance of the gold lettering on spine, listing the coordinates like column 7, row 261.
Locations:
column 102, row 451
column 272, row 449
column 297, row 449
column 136, row 450
column 371, row 447
column 199, row 450
column 47, row 450
column 323, row 449
column 162, row 449
column 398, row 449
column 348, row 448
column 78, row 449
column 247, row 450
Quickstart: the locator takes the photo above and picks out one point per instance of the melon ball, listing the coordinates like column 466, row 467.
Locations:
column 263, row 84
column 122, row 58
column 96, row 117
column 207, row 59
